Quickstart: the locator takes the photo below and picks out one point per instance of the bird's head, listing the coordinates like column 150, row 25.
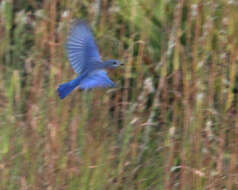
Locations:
column 111, row 64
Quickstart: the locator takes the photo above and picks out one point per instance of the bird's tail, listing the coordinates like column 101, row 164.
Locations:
column 65, row 89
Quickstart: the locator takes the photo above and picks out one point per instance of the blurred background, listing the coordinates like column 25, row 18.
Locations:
column 171, row 123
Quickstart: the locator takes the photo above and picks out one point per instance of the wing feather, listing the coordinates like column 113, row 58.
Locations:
column 81, row 47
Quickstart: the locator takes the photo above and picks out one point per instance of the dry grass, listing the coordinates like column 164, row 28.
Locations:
column 172, row 122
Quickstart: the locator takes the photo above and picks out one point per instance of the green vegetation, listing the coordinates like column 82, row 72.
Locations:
column 171, row 123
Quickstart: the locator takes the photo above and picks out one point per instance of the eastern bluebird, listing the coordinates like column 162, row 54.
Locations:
column 84, row 57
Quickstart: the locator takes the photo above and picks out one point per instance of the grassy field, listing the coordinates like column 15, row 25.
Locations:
column 170, row 124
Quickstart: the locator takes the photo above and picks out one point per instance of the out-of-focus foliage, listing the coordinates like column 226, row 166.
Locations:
column 172, row 121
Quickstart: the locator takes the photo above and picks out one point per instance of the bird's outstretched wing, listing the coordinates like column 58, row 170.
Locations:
column 96, row 79
column 81, row 47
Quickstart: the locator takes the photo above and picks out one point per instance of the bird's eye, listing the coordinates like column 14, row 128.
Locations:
column 114, row 63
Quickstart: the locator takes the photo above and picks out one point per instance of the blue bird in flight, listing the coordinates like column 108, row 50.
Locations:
column 85, row 59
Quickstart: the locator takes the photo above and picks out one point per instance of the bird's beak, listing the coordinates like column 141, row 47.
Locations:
column 121, row 64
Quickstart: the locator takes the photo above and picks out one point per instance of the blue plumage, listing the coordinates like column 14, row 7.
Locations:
column 64, row 89
column 96, row 79
column 85, row 59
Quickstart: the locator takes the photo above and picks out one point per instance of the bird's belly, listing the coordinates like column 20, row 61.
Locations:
column 78, row 87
